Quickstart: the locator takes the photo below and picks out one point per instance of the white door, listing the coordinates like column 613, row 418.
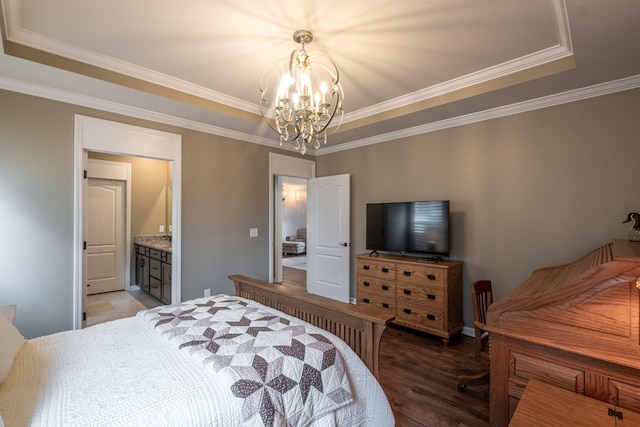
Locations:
column 328, row 241
column 105, row 236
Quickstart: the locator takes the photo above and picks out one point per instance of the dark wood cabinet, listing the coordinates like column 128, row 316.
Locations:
column 142, row 267
column 153, row 272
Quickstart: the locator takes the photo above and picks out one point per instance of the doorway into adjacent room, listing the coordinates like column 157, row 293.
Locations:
column 294, row 230
column 103, row 136
column 327, row 245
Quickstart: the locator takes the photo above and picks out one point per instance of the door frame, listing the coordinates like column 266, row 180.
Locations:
column 289, row 166
column 92, row 134
column 119, row 171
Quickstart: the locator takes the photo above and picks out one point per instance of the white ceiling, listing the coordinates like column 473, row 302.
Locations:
column 407, row 66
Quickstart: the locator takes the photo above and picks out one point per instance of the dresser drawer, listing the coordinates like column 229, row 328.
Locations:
column 377, row 268
column 373, row 299
column 376, row 285
column 526, row 367
column 420, row 294
column 415, row 314
column 413, row 273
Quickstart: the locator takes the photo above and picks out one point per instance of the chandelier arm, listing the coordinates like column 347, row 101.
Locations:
column 265, row 102
column 334, row 73
column 339, row 95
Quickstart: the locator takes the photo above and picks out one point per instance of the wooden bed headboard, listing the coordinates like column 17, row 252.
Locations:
column 360, row 327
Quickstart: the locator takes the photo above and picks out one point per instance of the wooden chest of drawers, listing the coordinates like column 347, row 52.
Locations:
column 421, row 295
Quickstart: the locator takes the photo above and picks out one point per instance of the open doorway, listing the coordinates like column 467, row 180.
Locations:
column 97, row 135
column 280, row 167
column 294, row 230
column 148, row 217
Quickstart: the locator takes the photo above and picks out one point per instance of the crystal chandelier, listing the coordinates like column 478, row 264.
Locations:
column 307, row 99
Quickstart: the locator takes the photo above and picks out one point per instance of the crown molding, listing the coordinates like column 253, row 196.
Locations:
column 46, row 92
column 620, row 85
column 607, row 88
column 66, row 50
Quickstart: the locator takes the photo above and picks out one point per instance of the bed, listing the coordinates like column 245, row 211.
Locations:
column 220, row 361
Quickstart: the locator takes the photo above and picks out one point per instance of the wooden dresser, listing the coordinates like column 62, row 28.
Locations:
column 574, row 326
column 426, row 296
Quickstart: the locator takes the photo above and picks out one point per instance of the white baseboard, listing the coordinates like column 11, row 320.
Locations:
column 470, row 332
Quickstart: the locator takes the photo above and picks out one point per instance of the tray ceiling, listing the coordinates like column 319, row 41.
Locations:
column 406, row 66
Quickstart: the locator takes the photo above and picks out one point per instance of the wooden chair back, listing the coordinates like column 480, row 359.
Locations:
column 482, row 297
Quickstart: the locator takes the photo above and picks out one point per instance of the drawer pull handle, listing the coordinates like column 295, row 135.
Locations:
column 614, row 413
column 431, row 296
column 366, row 267
column 385, row 270
column 407, row 292
column 431, row 317
column 385, row 305
column 407, row 310
column 407, row 273
column 385, row 288
column 366, row 284
column 431, row 276
column 366, row 300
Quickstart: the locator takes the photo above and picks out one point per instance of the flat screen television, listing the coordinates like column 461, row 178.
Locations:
column 420, row 228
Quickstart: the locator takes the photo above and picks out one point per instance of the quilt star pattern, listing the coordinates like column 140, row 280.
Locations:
column 283, row 371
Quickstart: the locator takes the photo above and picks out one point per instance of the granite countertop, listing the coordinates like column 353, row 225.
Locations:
column 161, row 242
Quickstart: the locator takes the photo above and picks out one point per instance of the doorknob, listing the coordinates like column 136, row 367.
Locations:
column 345, row 244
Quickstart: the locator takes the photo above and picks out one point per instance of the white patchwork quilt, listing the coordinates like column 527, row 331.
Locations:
column 284, row 372
column 124, row 373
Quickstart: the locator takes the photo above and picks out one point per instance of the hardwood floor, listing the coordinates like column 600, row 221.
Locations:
column 418, row 373
column 420, row 378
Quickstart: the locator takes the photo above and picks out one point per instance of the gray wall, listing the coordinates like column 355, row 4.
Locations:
column 527, row 190
column 224, row 193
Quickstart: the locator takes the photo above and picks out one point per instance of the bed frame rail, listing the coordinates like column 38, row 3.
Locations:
column 360, row 327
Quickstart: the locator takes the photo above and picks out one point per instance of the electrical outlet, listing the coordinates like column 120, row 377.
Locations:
column 207, row 292
column 161, row 229
column 253, row 232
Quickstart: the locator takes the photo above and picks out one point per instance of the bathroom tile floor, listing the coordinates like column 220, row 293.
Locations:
column 116, row 305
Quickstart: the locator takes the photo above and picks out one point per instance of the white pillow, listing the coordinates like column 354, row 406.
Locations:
column 12, row 341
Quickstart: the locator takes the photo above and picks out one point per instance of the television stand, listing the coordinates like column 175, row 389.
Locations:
column 422, row 296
